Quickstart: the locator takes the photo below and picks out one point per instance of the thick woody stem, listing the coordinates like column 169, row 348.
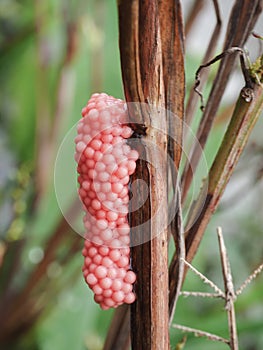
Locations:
column 151, row 47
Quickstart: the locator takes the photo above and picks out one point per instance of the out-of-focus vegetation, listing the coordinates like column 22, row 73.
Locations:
column 53, row 55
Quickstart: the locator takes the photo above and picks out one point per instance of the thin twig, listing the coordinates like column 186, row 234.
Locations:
column 180, row 251
column 201, row 294
column 193, row 98
column 229, row 51
column 204, row 279
column 230, row 296
column 249, row 280
column 199, row 333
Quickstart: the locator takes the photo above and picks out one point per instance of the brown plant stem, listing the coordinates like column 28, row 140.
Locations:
column 243, row 120
column 242, row 20
column 43, row 107
column 193, row 15
column 193, row 98
column 142, row 77
column 151, row 46
column 120, row 324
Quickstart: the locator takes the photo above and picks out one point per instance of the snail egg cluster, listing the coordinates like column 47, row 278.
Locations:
column 105, row 163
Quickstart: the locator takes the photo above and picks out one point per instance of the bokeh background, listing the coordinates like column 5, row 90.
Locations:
column 53, row 56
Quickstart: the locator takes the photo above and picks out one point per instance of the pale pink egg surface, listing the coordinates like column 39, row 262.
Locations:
column 105, row 162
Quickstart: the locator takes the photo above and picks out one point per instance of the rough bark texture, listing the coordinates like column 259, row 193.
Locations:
column 151, row 46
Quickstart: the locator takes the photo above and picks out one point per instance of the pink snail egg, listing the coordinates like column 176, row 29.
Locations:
column 106, row 235
column 134, row 155
column 115, row 255
column 107, row 293
column 121, row 273
column 117, row 187
column 108, row 159
column 112, row 216
column 106, row 187
column 125, row 240
column 97, row 156
column 92, row 252
column 92, row 267
column 97, row 259
column 118, row 296
column 112, row 273
column 111, row 196
column 90, row 163
column 100, row 166
column 101, row 214
column 93, row 115
column 100, row 272
column 95, row 144
column 106, row 148
column 85, row 273
column 80, row 146
column 123, row 261
column 105, row 283
column 97, row 289
column 102, row 224
column 130, row 277
column 106, row 261
column 116, row 285
column 91, row 279
column 105, row 116
column 104, row 251
column 109, row 302
column 127, row 288
column 95, row 204
column 88, row 261
column 102, row 305
column 126, row 132
column 104, row 176
column 116, row 243
column 129, row 298
column 98, row 298
column 87, row 244
column 89, row 152
column 107, row 138
column 124, row 229
column 121, row 172
column 84, row 251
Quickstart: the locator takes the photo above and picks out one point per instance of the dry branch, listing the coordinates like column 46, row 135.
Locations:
column 242, row 122
column 241, row 23
column 200, row 333
column 229, row 291
column 193, row 98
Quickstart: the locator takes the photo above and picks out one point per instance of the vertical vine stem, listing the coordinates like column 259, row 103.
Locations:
column 151, row 48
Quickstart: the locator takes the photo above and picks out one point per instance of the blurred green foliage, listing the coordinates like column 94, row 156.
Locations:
column 53, row 56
